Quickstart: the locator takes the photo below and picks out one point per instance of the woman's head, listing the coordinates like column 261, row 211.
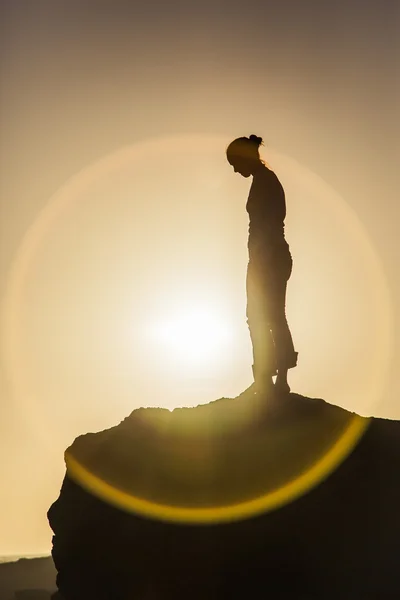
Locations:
column 243, row 154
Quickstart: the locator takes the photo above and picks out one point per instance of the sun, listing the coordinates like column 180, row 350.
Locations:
column 195, row 336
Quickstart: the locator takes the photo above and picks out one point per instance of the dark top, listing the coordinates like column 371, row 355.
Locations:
column 267, row 211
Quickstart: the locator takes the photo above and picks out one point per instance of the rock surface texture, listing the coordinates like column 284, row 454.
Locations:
column 340, row 539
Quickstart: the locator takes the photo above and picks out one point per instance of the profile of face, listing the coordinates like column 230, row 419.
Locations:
column 242, row 166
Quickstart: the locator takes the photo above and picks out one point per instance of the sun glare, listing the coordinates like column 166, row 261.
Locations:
column 196, row 336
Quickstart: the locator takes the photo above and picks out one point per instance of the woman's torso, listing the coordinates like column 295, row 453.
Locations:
column 266, row 207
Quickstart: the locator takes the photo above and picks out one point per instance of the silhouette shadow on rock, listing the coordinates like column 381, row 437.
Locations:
column 339, row 539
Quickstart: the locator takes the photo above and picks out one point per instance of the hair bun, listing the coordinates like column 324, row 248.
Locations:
column 256, row 139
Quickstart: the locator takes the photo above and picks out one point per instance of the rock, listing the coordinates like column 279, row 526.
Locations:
column 339, row 538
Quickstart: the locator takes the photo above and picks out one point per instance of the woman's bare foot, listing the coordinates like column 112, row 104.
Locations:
column 281, row 383
column 282, row 387
column 264, row 387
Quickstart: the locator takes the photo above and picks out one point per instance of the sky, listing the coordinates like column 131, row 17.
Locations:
column 121, row 222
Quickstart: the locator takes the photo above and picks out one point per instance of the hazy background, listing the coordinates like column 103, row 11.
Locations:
column 120, row 216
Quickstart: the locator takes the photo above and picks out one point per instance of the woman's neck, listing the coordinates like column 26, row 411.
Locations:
column 257, row 167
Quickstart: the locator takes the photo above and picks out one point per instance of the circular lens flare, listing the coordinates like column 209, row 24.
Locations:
column 175, row 332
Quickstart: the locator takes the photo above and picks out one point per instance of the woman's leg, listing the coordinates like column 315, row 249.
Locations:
column 286, row 356
column 264, row 360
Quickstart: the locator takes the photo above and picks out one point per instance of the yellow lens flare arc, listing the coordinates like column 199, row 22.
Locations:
column 219, row 514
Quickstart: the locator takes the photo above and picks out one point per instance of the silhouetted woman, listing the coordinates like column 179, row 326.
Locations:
column 269, row 267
